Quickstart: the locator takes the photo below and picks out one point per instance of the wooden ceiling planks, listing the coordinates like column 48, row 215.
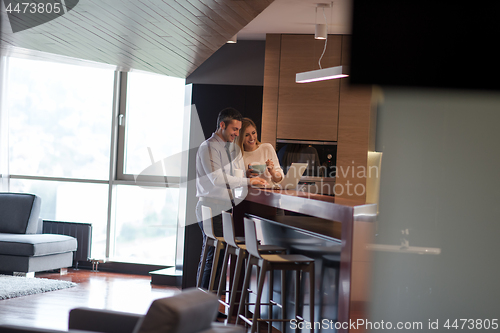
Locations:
column 148, row 41
column 170, row 37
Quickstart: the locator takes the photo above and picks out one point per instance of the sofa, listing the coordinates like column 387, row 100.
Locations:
column 24, row 250
column 191, row 311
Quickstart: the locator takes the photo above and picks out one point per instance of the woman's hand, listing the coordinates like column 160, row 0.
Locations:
column 251, row 173
column 275, row 174
column 270, row 166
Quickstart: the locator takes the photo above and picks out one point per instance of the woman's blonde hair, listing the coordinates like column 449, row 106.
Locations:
column 245, row 122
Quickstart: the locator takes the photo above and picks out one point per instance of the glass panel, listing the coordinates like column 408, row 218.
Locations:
column 71, row 202
column 155, row 112
column 146, row 225
column 60, row 119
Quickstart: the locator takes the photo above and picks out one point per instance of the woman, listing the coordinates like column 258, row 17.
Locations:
column 255, row 152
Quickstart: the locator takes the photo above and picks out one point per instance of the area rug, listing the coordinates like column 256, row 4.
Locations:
column 15, row 286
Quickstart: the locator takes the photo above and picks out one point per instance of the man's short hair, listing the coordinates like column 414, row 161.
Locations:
column 228, row 115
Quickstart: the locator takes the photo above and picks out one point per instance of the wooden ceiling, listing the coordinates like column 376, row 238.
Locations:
column 171, row 37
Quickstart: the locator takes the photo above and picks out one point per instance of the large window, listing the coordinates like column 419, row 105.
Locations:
column 149, row 150
column 59, row 119
column 146, row 224
column 153, row 131
column 70, row 143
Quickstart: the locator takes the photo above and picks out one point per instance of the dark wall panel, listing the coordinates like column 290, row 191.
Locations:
column 211, row 99
column 236, row 64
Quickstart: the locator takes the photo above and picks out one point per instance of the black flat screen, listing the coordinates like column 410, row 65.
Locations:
column 426, row 44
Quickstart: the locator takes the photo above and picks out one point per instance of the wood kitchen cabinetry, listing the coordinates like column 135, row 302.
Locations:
column 356, row 136
column 326, row 111
column 305, row 111
column 295, row 110
column 321, row 111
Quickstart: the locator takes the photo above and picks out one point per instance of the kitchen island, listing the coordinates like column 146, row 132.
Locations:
column 333, row 231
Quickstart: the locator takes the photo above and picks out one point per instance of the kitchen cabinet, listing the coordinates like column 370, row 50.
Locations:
column 296, row 110
column 356, row 136
column 271, row 86
column 307, row 111
column 318, row 111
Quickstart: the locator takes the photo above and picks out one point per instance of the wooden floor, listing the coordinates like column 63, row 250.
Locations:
column 100, row 290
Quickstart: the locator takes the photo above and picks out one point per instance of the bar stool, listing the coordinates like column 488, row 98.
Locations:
column 270, row 262
column 329, row 258
column 233, row 246
column 217, row 243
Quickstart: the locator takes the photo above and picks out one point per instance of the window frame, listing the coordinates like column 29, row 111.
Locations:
column 121, row 125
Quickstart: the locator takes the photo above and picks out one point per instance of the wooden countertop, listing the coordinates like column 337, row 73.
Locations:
column 316, row 205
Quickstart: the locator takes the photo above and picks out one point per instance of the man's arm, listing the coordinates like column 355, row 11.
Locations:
column 212, row 167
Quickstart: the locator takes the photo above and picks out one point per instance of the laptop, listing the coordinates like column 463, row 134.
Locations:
column 291, row 179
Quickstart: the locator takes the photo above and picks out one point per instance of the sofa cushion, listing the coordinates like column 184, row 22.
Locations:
column 10, row 263
column 36, row 245
column 19, row 213
column 190, row 311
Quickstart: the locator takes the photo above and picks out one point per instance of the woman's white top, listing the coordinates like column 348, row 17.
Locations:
column 264, row 152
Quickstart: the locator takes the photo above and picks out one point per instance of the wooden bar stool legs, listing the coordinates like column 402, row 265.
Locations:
column 283, row 300
column 240, row 258
column 232, row 248
column 216, row 242
column 270, row 262
column 218, row 247
column 236, row 246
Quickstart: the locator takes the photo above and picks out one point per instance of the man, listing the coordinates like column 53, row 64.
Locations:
column 216, row 160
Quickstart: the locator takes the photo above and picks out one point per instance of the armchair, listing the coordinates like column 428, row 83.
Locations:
column 23, row 247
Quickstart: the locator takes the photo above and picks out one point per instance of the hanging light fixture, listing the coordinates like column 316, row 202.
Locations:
column 321, row 28
column 321, row 31
column 329, row 73
column 322, row 74
column 233, row 39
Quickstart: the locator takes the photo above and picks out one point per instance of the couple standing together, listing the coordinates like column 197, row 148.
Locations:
column 222, row 164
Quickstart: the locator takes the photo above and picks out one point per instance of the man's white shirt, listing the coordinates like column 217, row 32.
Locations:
column 211, row 161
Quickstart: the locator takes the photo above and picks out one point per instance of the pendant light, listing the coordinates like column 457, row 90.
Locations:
column 233, row 39
column 321, row 74
column 321, row 31
column 329, row 73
